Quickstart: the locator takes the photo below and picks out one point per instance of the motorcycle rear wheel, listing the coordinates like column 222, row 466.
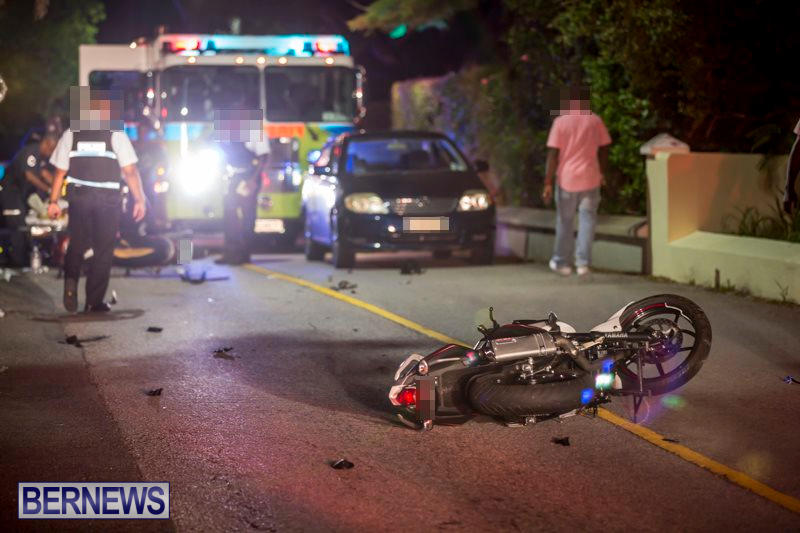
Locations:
column 664, row 368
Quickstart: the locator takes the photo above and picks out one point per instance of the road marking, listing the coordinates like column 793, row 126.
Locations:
column 687, row 454
column 358, row 303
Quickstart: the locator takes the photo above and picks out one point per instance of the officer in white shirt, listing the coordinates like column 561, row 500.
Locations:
column 92, row 157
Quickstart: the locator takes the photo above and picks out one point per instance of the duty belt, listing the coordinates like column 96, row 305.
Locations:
column 97, row 184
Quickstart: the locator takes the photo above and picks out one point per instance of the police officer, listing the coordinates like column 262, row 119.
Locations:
column 92, row 160
column 243, row 150
column 25, row 176
column 239, row 204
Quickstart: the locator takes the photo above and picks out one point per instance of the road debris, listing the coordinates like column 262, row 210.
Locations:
column 563, row 441
column 2, row 314
column 191, row 277
column 73, row 340
column 344, row 285
column 222, row 353
column 410, row 267
column 155, row 329
column 154, row 392
column 3, row 369
column 342, row 464
column 790, row 380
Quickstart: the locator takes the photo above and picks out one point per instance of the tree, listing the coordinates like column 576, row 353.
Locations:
column 40, row 59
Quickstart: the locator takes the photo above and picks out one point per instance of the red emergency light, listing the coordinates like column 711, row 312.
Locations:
column 327, row 46
column 182, row 45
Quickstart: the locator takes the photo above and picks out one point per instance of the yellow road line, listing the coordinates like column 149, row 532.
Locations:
column 687, row 454
column 358, row 303
column 740, row 478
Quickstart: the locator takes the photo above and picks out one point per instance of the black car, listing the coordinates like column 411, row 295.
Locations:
column 397, row 190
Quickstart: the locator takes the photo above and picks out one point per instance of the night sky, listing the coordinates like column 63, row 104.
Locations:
column 431, row 52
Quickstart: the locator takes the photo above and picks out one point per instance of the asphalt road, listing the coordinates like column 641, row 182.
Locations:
column 246, row 439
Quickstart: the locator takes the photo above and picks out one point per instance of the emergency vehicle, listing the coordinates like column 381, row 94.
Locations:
column 308, row 86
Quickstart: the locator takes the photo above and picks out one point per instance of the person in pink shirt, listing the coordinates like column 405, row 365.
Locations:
column 792, row 170
column 577, row 153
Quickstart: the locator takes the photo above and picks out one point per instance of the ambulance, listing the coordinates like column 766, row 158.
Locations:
column 307, row 86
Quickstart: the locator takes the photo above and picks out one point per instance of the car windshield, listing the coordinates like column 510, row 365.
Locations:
column 370, row 156
column 195, row 92
column 310, row 94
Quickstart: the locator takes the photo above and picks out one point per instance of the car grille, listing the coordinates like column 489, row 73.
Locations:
column 422, row 205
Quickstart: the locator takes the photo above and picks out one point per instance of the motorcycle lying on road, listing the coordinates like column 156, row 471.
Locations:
column 533, row 370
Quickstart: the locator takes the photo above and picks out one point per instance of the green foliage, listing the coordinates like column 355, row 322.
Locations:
column 675, row 66
column 386, row 15
column 39, row 59
column 776, row 224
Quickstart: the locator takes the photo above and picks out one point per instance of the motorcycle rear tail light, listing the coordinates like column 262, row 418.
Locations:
column 407, row 397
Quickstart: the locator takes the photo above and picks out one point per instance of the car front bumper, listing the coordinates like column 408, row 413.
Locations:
column 385, row 232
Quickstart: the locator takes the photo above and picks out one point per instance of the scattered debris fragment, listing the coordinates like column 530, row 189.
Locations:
column 666, row 439
column 72, row 339
column 2, row 314
column 355, row 329
column 790, row 380
column 344, row 285
column 563, row 441
column 154, row 392
column 155, row 329
column 410, row 267
column 188, row 277
column 222, row 353
column 342, row 464
column 3, row 369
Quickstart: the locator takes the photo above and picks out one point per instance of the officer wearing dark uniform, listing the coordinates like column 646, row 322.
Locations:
column 93, row 161
column 239, row 204
column 23, row 177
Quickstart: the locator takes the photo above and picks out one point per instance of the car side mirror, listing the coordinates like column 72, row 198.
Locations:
column 481, row 165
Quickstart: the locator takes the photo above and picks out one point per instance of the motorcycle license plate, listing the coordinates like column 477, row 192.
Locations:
column 269, row 225
column 412, row 224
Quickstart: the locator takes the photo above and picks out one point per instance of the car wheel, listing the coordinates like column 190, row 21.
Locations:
column 343, row 256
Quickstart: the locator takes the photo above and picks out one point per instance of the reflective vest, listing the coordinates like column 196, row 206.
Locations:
column 92, row 161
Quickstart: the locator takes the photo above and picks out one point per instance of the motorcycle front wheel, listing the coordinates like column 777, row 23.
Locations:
column 676, row 359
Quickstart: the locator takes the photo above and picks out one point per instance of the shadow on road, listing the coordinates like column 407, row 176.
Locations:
column 346, row 375
column 112, row 316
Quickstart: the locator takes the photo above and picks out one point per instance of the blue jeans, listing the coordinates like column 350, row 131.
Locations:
column 586, row 203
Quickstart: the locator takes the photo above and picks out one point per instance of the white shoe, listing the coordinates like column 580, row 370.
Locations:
column 583, row 270
column 565, row 270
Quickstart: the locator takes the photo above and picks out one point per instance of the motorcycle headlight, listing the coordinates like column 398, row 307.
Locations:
column 366, row 203
column 475, row 200
column 197, row 171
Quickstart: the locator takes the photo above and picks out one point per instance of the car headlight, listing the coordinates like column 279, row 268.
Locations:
column 475, row 200
column 366, row 203
column 197, row 171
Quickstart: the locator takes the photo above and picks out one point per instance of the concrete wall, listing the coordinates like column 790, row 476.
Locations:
column 691, row 198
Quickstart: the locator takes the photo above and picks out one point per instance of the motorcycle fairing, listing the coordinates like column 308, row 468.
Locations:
column 613, row 322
